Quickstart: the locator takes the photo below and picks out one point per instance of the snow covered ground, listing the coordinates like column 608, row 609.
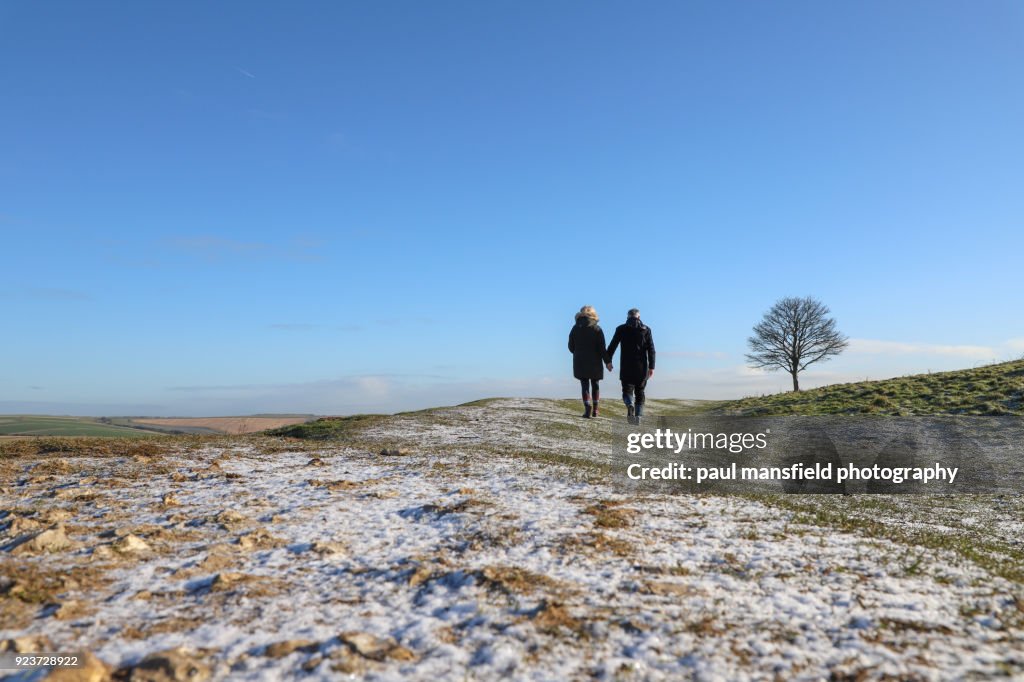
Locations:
column 496, row 547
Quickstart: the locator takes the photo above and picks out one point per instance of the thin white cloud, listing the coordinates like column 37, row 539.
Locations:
column 1015, row 344
column 879, row 347
column 211, row 247
column 244, row 72
column 739, row 381
column 375, row 389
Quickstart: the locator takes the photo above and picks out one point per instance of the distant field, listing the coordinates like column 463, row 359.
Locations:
column 230, row 425
column 12, row 426
column 35, row 425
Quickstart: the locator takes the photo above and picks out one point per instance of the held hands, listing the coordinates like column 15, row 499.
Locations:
column 608, row 365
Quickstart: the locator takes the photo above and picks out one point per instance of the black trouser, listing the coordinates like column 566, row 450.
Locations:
column 590, row 387
column 628, row 391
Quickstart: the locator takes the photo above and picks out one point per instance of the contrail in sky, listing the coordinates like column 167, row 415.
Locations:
column 244, row 72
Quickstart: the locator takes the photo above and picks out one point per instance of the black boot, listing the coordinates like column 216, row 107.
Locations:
column 629, row 414
column 594, row 413
column 586, row 410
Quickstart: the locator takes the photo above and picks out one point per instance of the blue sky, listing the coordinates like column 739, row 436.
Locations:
column 229, row 208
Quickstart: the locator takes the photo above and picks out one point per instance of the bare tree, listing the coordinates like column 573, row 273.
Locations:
column 795, row 333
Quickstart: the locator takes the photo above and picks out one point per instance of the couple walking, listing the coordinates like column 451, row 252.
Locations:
column 590, row 356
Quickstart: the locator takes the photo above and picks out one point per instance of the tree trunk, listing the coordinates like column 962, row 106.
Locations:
column 796, row 382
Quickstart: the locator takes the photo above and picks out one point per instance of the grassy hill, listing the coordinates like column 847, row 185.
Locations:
column 44, row 425
column 326, row 428
column 990, row 390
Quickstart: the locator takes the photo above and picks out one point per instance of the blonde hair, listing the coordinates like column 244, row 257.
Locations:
column 588, row 312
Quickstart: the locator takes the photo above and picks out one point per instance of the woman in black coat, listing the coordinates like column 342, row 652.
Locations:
column 586, row 343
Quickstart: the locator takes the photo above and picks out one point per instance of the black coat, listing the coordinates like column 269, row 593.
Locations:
column 586, row 343
column 637, row 350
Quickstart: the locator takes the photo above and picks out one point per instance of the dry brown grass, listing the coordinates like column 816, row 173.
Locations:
column 79, row 446
column 454, row 508
column 599, row 542
column 552, row 618
column 162, row 626
column 514, row 580
column 341, row 484
column 608, row 514
column 26, row 586
column 229, row 425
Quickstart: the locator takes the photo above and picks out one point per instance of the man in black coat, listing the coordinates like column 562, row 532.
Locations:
column 636, row 362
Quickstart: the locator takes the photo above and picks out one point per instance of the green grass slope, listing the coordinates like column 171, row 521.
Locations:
column 327, row 427
column 42, row 425
column 990, row 390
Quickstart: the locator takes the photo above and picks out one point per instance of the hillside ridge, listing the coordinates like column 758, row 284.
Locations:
column 996, row 389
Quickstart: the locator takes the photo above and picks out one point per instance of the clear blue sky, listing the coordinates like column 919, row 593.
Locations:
column 234, row 207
